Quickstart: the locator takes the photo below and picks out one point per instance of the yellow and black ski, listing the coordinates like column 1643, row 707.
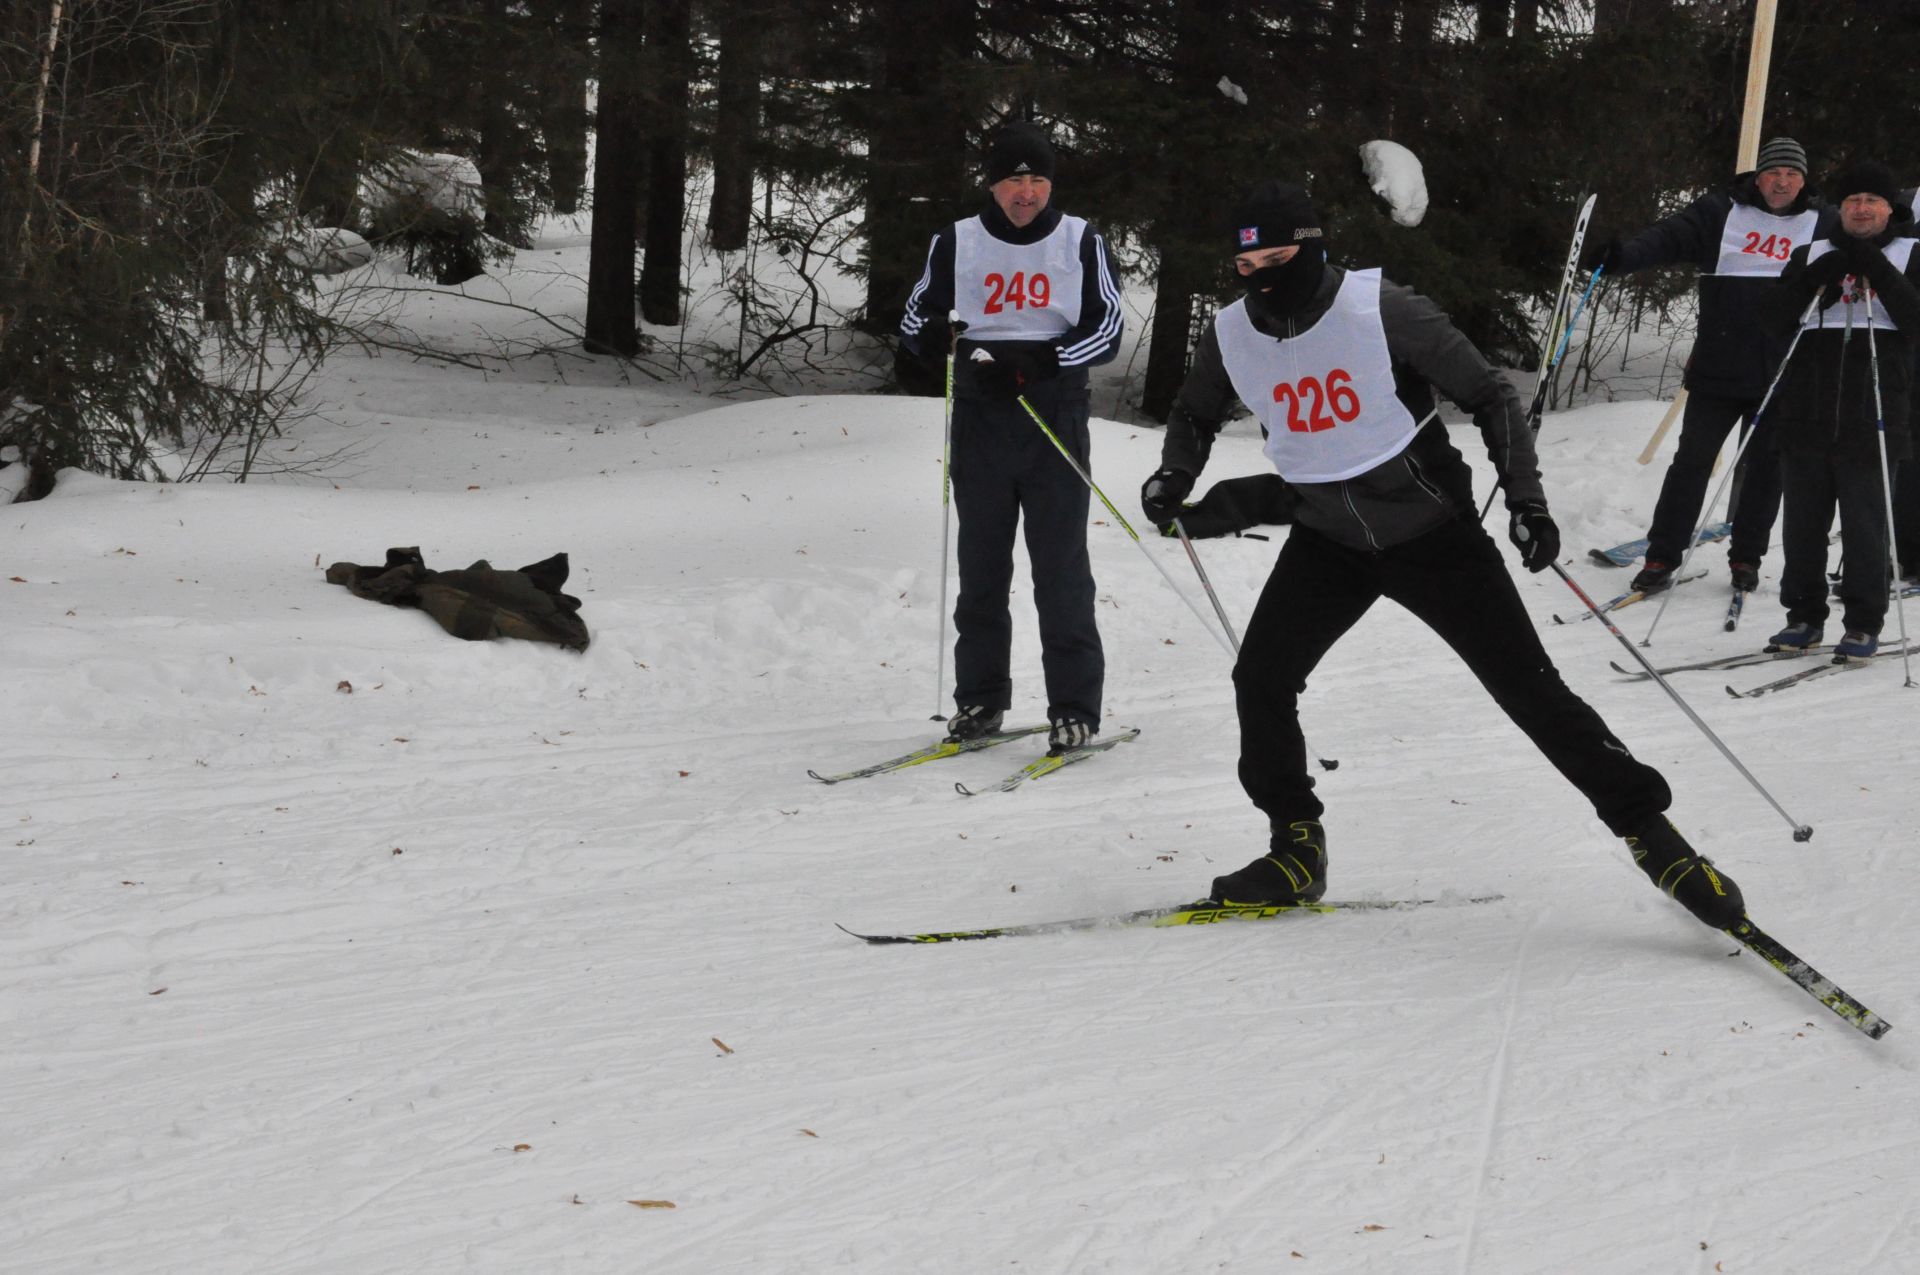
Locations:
column 1204, row 912
column 1810, row 980
column 934, row 752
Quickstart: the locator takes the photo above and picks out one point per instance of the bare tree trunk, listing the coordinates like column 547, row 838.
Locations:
column 40, row 116
column 669, row 57
column 917, row 161
column 1494, row 16
column 610, row 327
column 563, row 106
column 736, row 126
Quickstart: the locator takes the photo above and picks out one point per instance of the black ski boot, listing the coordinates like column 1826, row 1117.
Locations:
column 1293, row 872
column 1064, row 733
column 1746, row 576
column 1671, row 864
column 972, row 723
column 1654, row 577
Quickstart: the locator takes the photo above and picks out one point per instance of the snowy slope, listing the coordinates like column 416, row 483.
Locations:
column 443, row 971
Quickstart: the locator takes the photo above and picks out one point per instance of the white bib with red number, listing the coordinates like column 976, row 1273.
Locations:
column 1852, row 305
column 1756, row 242
column 1015, row 291
column 1325, row 396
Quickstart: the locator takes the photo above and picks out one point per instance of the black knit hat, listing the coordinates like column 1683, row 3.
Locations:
column 1019, row 149
column 1275, row 215
column 1782, row 152
column 1865, row 177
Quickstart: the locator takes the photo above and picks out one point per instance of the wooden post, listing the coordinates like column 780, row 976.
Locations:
column 1759, row 59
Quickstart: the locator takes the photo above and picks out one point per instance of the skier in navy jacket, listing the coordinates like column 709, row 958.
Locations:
column 1740, row 239
column 1040, row 300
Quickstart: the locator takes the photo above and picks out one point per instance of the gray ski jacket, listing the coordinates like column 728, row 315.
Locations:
column 1424, row 486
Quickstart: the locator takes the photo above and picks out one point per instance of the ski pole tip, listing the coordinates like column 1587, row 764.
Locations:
column 1803, row 833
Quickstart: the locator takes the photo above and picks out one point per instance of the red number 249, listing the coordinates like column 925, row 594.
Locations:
column 1021, row 291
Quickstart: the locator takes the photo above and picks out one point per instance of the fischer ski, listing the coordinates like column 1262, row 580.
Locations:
column 1625, row 555
column 1048, row 764
column 1839, row 664
column 1628, row 598
column 1203, row 912
column 933, row 752
column 1810, row 980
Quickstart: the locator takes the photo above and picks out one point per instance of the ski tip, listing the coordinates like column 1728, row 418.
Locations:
column 965, row 791
column 1329, row 763
column 825, row 779
column 1736, row 694
column 865, row 938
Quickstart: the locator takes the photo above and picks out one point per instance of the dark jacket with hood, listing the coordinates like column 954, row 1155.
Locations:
column 1735, row 352
column 1825, row 403
column 1424, row 486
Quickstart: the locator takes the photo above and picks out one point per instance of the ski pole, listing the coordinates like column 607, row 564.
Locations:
column 1118, row 517
column 1886, row 487
column 1753, row 429
column 1547, row 370
column 954, row 328
column 1326, row 763
column 1801, row 831
column 1125, row 526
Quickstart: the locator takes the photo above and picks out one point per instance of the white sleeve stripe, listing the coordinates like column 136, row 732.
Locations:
column 1095, row 344
column 913, row 320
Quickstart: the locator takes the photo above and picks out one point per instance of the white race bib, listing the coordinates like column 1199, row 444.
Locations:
column 1325, row 396
column 1852, row 305
column 1017, row 292
column 1756, row 242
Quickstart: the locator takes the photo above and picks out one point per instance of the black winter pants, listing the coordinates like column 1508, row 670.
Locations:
column 1817, row 483
column 1704, row 427
column 1453, row 579
column 1005, row 471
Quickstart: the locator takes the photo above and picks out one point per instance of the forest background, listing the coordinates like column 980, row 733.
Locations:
column 169, row 164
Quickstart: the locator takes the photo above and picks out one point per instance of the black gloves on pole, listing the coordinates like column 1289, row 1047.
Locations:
column 1533, row 533
column 1161, row 494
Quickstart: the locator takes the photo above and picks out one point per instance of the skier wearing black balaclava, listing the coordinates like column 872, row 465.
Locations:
column 1339, row 367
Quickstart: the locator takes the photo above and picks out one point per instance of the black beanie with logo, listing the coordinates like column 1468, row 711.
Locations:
column 1017, row 150
column 1276, row 214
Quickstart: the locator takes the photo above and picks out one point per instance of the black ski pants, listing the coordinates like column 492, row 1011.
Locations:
column 1817, row 483
column 1005, row 473
column 1704, row 427
column 1453, row 579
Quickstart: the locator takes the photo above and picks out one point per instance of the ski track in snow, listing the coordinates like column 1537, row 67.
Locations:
column 290, row 971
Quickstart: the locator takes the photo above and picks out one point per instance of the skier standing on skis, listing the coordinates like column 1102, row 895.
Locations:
column 1039, row 295
column 1340, row 368
column 1740, row 238
column 1828, row 414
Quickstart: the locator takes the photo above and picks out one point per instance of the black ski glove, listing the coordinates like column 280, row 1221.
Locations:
column 1858, row 252
column 1531, row 529
column 1605, row 255
column 1827, row 269
column 1161, row 494
column 1010, row 373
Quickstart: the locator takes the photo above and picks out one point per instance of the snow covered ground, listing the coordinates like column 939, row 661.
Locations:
column 329, row 943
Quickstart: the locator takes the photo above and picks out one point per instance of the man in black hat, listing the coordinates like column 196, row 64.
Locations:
column 1864, row 276
column 1040, row 300
column 1740, row 239
column 1340, row 368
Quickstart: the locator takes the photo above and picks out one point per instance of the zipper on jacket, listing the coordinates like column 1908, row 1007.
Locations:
column 1346, row 494
column 1413, row 468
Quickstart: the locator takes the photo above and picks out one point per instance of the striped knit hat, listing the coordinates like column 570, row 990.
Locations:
column 1782, row 152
